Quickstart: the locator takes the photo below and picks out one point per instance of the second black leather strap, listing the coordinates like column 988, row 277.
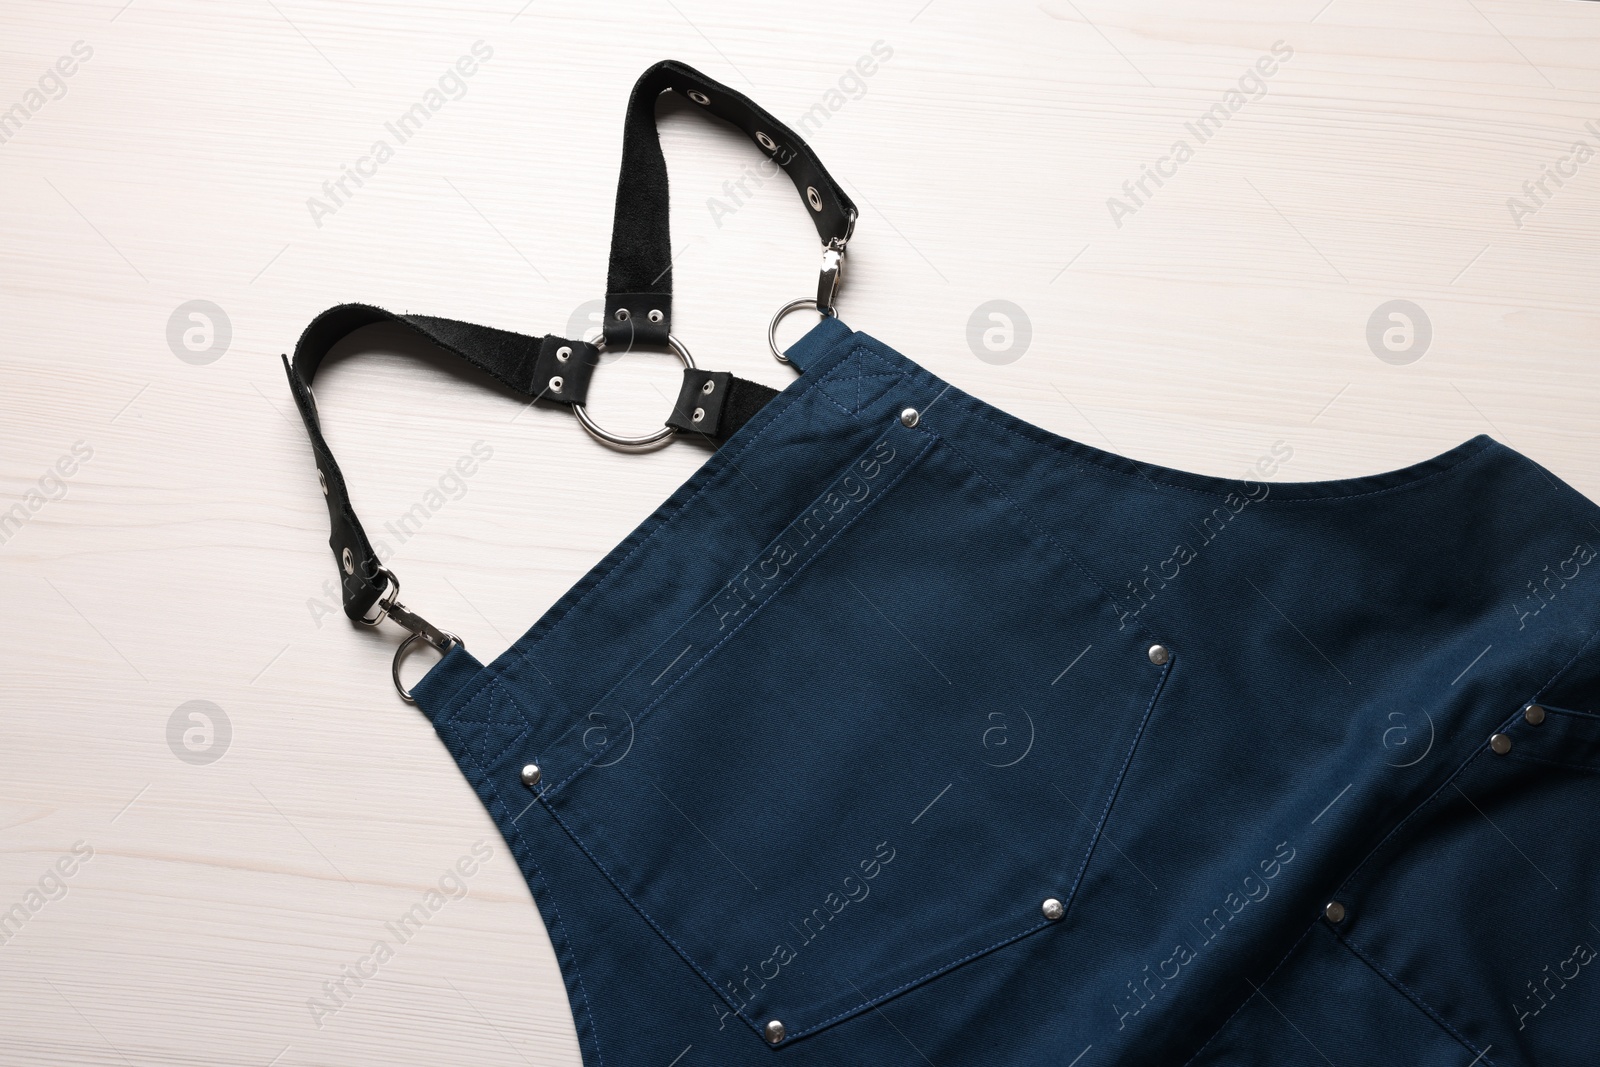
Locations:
column 639, row 281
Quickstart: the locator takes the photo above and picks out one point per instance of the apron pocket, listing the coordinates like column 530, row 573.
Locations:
column 885, row 748
column 1324, row 1005
column 1487, row 907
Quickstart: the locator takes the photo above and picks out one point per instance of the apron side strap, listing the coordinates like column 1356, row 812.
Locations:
column 550, row 368
column 639, row 282
column 525, row 365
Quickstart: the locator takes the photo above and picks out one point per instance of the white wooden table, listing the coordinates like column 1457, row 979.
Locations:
column 170, row 546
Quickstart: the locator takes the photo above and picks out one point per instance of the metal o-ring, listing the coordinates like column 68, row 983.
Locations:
column 787, row 309
column 647, row 440
column 400, row 654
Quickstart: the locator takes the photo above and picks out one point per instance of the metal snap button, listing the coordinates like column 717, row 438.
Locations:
column 623, row 315
column 813, row 198
column 348, row 560
column 766, row 142
column 1500, row 743
column 698, row 97
column 709, row 387
column 1159, row 655
column 1334, row 912
column 563, row 353
column 556, row 383
column 530, row 775
column 1534, row 714
column 699, row 414
column 1052, row 909
column 322, row 480
column 655, row 315
column 773, row 1032
column 909, row 417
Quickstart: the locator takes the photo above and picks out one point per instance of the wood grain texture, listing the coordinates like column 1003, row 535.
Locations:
column 185, row 559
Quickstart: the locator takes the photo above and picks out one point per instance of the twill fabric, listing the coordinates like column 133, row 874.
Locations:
column 819, row 740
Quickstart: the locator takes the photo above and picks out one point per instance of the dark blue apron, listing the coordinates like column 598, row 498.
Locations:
column 906, row 732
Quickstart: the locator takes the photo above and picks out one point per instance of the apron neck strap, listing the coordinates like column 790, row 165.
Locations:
column 711, row 406
column 639, row 281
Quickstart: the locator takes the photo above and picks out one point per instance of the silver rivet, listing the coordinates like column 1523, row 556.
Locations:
column 349, row 561
column 1159, row 655
column 623, row 315
column 556, row 383
column 766, row 142
column 698, row 97
column 1334, row 912
column 322, row 479
column 530, row 775
column 1534, row 714
column 813, row 198
column 655, row 315
column 708, row 388
column 1052, row 909
column 699, row 413
column 563, row 353
column 1500, row 743
column 909, row 417
column 773, row 1032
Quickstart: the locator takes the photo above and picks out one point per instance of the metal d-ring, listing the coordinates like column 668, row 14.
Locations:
column 389, row 607
column 405, row 646
column 648, row 440
column 783, row 312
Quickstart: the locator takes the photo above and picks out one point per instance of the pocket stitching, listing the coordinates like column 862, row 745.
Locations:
column 1415, row 999
column 1116, row 785
column 1218, row 1032
column 1582, row 768
column 754, row 1024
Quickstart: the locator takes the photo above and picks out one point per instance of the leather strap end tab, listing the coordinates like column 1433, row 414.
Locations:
column 644, row 319
column 701, row 402
column 563, row 370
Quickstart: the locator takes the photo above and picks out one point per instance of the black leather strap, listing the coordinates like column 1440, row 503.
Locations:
column 531, row 367
column 712, row 405
column 639, row 282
